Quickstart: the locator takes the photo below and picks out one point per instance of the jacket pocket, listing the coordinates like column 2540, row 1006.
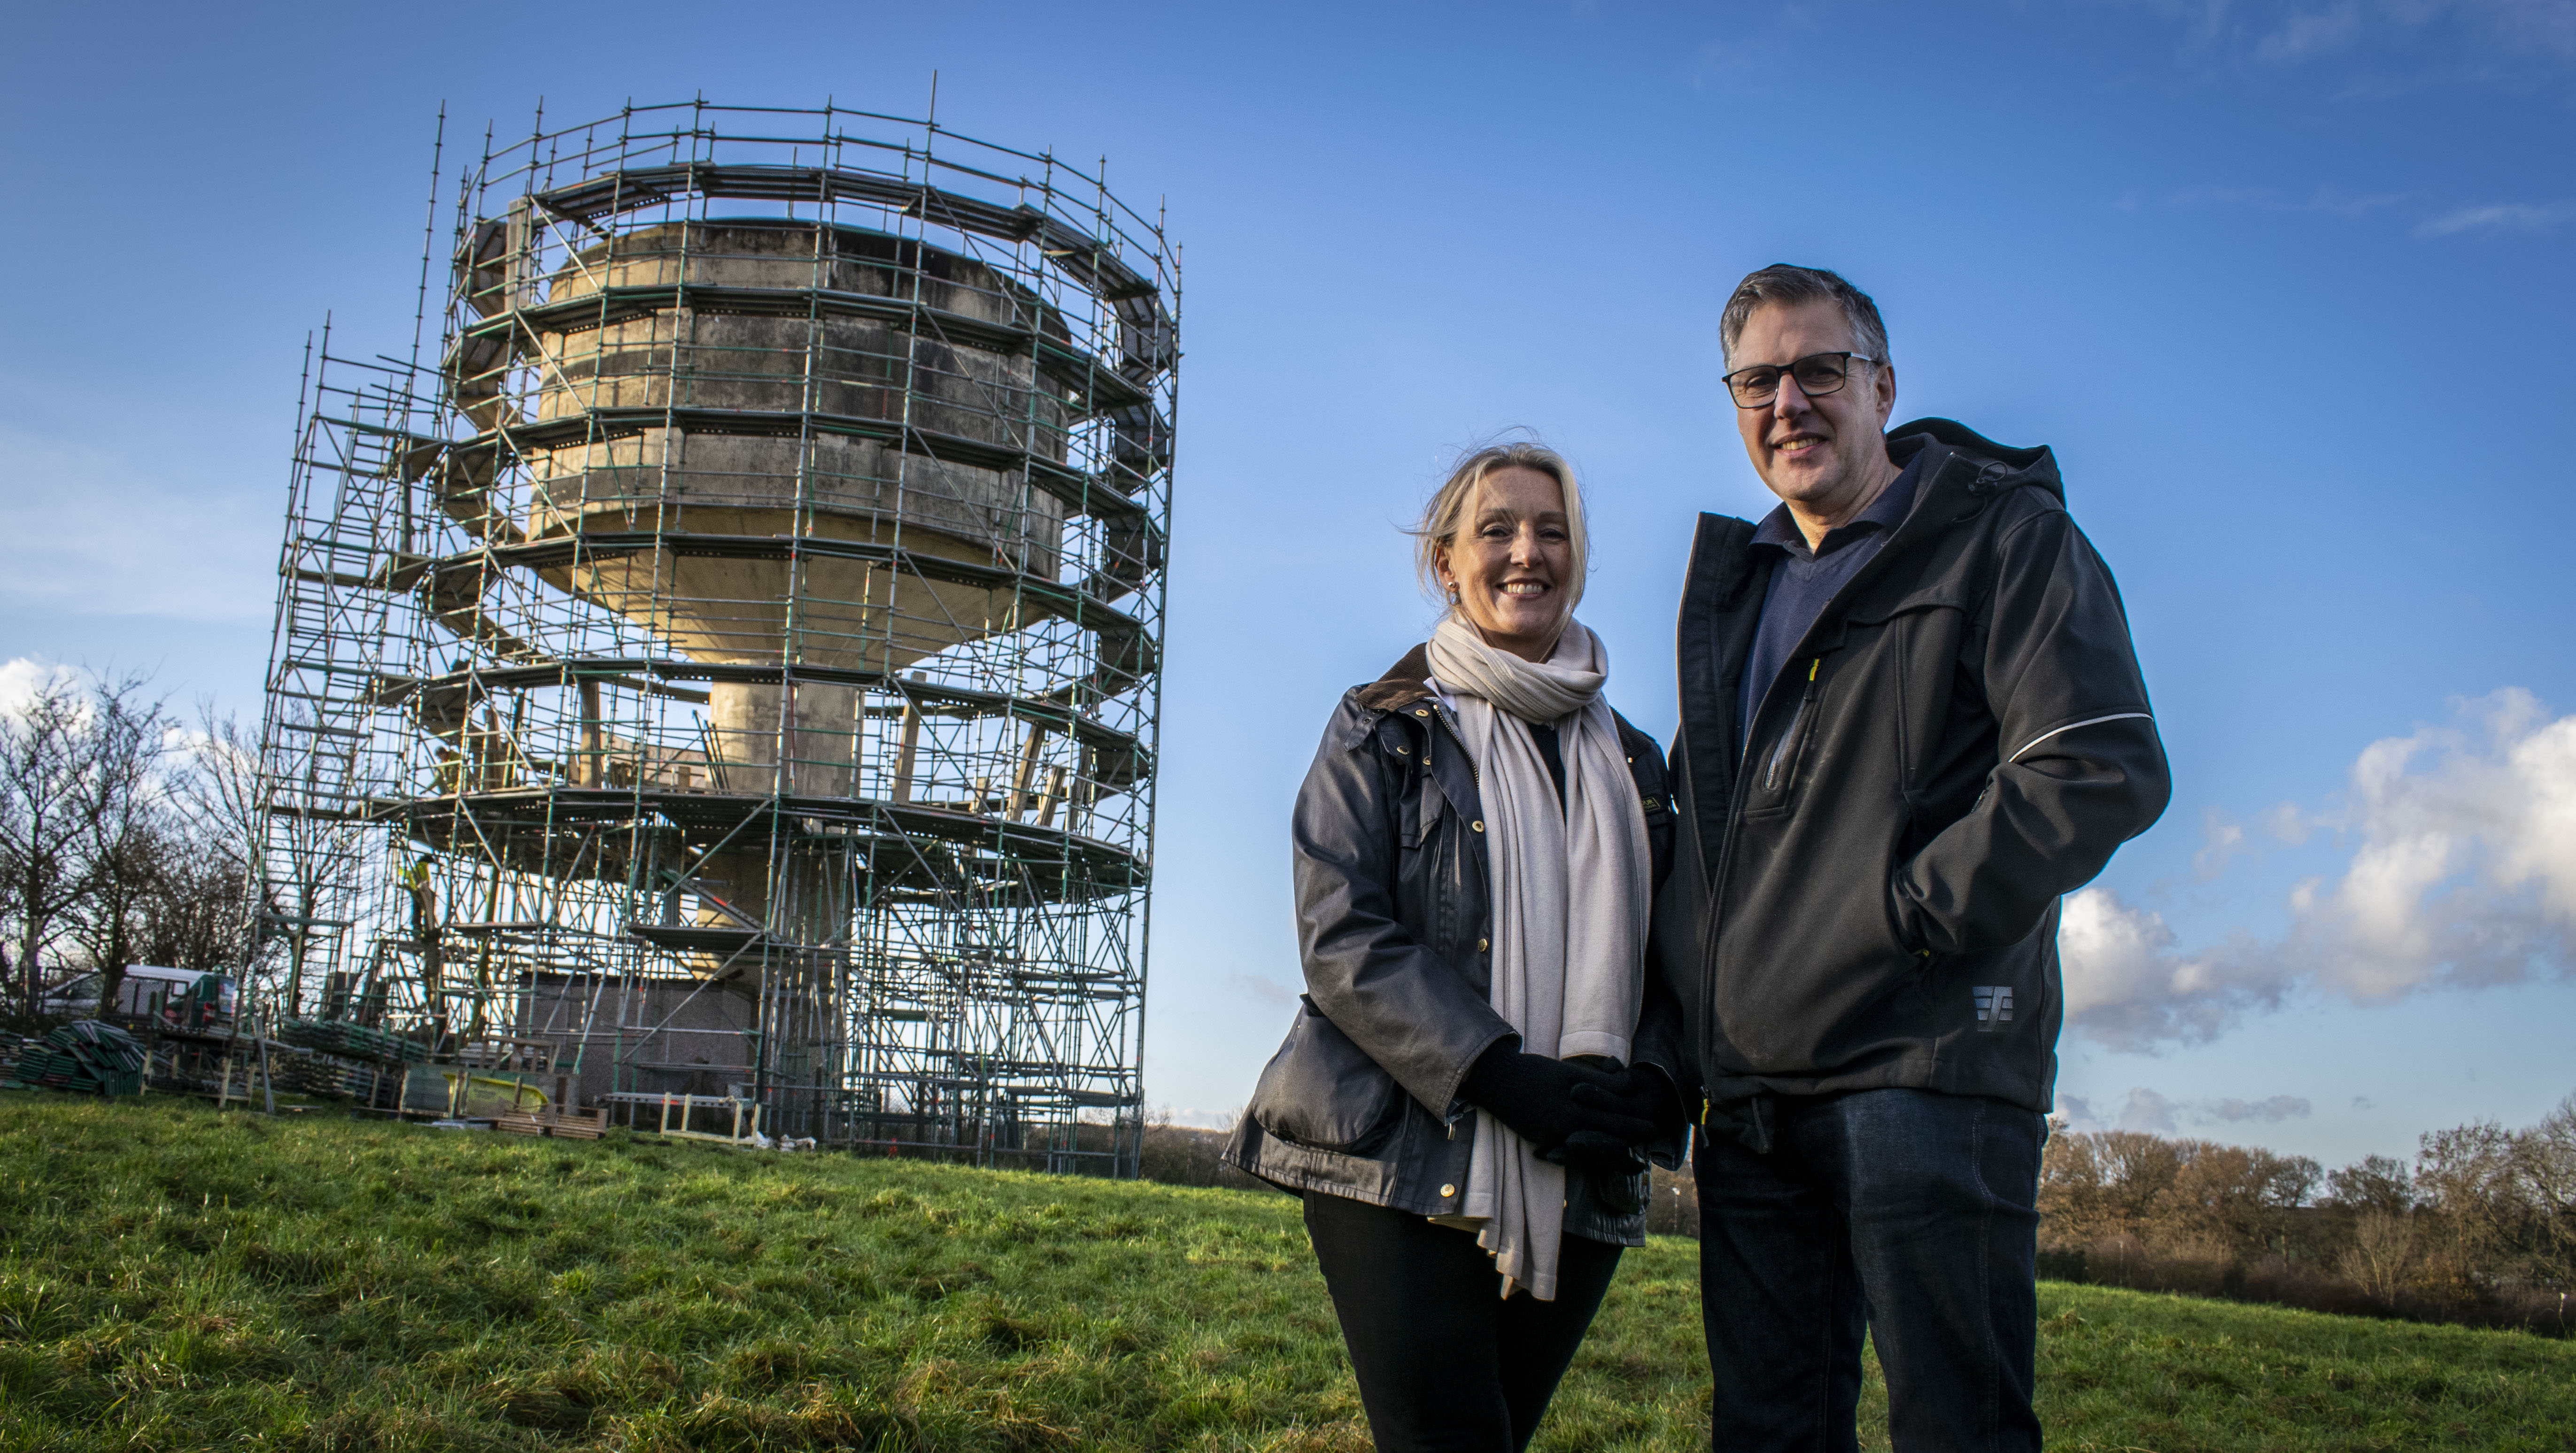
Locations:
column 1621, row 1195
column 1324, row 1092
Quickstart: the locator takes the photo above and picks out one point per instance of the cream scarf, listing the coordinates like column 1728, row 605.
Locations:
column 1569, row 968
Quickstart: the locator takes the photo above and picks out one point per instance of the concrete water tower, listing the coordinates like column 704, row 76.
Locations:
column 773, row 616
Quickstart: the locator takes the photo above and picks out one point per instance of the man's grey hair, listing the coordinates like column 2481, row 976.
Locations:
column 1790, row 285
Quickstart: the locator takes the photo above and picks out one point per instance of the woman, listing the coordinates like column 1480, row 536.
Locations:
column 1459, row 1100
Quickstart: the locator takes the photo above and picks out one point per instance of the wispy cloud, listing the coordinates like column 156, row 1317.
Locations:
column 2296, row 32
column 2221, row 842
column 2320, row 200
column 2462, row 872
column 2499, row 217
column 2270, row 1111
column 1268, row 991
column 2328, row 201
column 91, row 530
column 2154, row 1113
column 2305, row 33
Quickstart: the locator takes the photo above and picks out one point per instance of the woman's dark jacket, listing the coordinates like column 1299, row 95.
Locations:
column 1395, row 928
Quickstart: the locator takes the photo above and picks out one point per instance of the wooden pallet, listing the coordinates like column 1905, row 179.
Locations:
column 565, row 1124
column 579, row 1124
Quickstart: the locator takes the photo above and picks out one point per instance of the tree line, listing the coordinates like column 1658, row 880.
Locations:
column 126, row 836
column 2479, row 1227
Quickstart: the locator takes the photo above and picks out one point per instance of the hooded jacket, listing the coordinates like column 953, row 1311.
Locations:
column 1865, row 889
column 1394, row 925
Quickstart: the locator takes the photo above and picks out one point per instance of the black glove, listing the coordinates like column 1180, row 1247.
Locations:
column 1599, row 1155
column 1639, row 1092
column 1539, row 1098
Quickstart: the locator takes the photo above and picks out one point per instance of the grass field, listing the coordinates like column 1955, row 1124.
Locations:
column 174, row 1279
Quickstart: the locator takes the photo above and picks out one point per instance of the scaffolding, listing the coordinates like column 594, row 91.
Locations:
column 725, row 654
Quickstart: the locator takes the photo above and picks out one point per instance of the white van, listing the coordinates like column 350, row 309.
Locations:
column 145, row 987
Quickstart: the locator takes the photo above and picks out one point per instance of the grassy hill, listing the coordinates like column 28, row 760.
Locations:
column 170, row 1278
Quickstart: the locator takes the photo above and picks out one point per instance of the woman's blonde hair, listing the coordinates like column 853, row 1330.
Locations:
column 1446, row 514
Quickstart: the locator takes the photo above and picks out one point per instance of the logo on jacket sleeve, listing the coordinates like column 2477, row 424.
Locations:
column 1994, row 1006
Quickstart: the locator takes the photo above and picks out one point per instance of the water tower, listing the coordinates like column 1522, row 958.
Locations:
column 730, row 655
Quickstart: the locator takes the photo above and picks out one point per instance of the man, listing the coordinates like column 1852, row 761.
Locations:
column 1911, row 719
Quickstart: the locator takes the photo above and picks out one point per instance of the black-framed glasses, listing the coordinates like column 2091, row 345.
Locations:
column 1818, row 374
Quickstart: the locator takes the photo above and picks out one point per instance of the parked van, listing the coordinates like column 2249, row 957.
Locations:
column 146, row 987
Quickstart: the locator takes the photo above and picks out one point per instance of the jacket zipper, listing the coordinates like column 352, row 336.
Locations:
column 1789, row 738
column 1440, row 714
column 1726, row 853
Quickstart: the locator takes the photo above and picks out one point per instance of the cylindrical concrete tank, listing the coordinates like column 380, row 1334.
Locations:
column 740, row 332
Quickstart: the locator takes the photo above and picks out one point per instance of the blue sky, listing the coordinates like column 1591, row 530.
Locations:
column 2285, row 285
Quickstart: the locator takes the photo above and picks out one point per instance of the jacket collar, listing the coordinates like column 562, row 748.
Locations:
column 1963, row 469
column 1405, row 682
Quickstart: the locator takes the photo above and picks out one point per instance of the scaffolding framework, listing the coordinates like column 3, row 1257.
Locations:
column 726, row 652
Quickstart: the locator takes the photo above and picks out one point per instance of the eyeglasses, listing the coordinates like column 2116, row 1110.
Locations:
column 1818, row 374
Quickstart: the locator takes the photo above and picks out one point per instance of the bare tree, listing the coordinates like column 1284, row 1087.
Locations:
column 125, row 824
column 2231, row 1200
column 44, row 769
column 2466, row 1176
column 2381, row 1183
column 113, row 842
column 2545, row 1157
column 2382, row 1258
column 212, row 893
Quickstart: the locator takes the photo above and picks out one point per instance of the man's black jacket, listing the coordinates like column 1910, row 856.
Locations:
column 1865, row 890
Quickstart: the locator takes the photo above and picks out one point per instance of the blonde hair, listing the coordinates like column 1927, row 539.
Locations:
column 1447, row 512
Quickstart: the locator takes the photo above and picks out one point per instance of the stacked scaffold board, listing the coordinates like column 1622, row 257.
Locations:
column 353, row 1041
column 349, row 1061
column 87, row 1056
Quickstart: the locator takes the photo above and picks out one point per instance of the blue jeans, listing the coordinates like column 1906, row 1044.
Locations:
column 1909, row 1213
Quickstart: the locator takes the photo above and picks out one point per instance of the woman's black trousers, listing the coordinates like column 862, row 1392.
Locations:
column 1443, row 1361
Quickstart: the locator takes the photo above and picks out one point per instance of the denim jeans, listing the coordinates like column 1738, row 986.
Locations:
column 1909, row 1213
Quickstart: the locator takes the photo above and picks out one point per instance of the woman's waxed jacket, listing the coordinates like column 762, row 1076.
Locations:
column 1395, row 928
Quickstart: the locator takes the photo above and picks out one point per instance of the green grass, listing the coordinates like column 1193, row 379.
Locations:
column 174, row 1279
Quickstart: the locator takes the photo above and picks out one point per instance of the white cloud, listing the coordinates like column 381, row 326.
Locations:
column 2270, row 1111
column 2463, row 872
column 2324, row 200
column 95, row 531
column 23, row 677
column 2285, row 822
column 1266, row 990
column 2304, row 33
column 2529, row 25
column 2500, row 217
column 2146, row 1110
column 2221, row 841
column 2354, row 206
column 2157, row 1114
column 2287, row 33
